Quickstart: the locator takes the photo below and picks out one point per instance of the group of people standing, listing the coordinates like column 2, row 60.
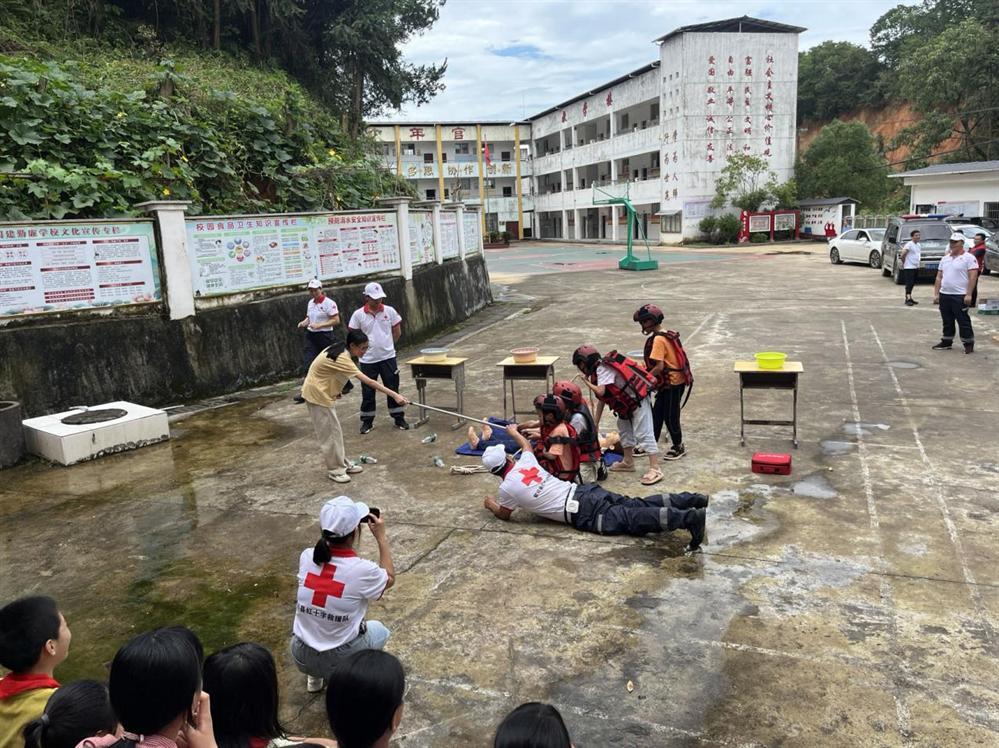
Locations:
column 955, row 289
column 371, row 336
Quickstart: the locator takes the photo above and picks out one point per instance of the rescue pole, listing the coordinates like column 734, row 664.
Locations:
column 456, row 415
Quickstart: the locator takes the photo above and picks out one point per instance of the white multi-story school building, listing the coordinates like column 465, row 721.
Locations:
column 662, row 132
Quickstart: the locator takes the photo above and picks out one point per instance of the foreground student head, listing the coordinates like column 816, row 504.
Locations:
column 34, row 636
column 243, row 682
column 155, row 687
column 532, row 725
column 74, row 713
column 364, row 699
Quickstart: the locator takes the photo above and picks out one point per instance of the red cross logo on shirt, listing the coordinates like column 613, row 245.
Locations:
column 530, row 476
column 324, row 585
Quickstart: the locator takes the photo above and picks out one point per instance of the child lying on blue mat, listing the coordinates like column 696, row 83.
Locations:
column 489, row 436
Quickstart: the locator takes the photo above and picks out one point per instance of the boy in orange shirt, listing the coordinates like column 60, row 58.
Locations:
column 664, row 363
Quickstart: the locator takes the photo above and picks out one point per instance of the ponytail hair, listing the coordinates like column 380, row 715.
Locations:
column 75, row 712
column 321, row 553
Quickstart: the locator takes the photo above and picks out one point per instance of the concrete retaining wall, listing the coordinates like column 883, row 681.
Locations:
column 155, row 361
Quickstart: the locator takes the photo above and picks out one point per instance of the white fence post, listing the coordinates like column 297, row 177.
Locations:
column 401, row 205
column 169, row 216
column 476, row 209
column 435, row 207
column 459, row 209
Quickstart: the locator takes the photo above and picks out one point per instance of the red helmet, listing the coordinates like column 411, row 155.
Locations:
column 649, row 312
column 586, row 355
column 568, row 391
column 550, row 404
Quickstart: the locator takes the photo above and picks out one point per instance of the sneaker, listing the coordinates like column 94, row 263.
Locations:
column 910, row 302
column 338, row 477
column 299, row 399
column 353, row 468
column 401, row 424
column 314, row 684
column 366, row 426
column 969, row 347
column 942, row 346
column 914, row 302
column 675, row 453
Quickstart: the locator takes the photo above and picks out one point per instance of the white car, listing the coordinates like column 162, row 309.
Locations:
column 857, row 245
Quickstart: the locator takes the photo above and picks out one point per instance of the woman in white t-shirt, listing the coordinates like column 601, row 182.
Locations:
column 911, row 254
column 335, row 586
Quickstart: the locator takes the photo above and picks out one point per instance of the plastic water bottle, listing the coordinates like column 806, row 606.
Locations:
column 429, row 439
column 438, row 462
column 368, row 460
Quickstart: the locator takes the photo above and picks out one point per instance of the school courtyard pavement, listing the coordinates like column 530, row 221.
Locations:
column 852, row 603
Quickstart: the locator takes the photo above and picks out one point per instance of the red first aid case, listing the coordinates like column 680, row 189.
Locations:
column 775, row 464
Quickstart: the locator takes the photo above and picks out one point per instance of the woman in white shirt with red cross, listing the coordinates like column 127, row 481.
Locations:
column 335, row 586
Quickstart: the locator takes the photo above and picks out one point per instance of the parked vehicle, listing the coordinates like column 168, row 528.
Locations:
column 991, row 246
column 989, row 224
column 934, row 242
column 857, row 245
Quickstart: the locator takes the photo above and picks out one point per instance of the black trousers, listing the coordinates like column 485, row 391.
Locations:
column 607, row 513
column 952, row 309
column 909, row 276
column 388, row 372
column 666, row 410
column 314, row 344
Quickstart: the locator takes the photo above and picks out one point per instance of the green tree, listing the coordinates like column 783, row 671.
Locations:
column 844, row 162
column 906, row 24
column 745, row 181
column 952, row 79
column 835, row 78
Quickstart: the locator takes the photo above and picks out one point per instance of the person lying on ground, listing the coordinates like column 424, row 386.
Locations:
column 34, row 640
column 489, row 436
column 524, row 484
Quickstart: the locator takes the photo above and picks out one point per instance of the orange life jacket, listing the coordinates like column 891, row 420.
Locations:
column 662, row 379
column 637, row 384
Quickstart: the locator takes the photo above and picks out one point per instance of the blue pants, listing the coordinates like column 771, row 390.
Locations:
column 315, row 343
column 607, row 513
column 320, row 664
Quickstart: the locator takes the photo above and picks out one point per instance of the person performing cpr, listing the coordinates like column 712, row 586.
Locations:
column 587, row 438
column 524, row 484
column 625, row 387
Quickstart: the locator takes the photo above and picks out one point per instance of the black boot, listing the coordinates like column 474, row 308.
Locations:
column 688, row 500
column 687, row 519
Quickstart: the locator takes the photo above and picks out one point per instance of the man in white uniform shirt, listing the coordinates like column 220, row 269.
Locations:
column 383, row 326
column 321, row 316
column 911, row 254
column 589, row 507
column 955, row 283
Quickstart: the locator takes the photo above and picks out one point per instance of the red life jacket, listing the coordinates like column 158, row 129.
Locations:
column 637, row 384
column 589, row 442
column 662, row 379
column 565, row 467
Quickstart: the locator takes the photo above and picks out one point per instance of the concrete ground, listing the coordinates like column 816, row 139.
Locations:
column 854, row 602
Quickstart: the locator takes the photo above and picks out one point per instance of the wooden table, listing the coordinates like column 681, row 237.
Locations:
column 448, row 368
column 542, row 369
column 752, row 377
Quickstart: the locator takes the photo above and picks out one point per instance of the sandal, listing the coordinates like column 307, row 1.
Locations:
column 652, row 477
column 620, row 467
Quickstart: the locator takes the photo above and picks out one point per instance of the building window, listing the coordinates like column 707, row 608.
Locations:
column 504, row 155
column 409, row 150
column 654, row 112
column 447, row 194
column 428, row 158
column 990, row 210
column 926, row 208
column 624, row 121
column 431, row 194
column 508, row 192
column 672, row 224
column 461, row 149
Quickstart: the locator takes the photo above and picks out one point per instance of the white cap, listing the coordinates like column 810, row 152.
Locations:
column 494, row 456
column 314, row 283
column 374, row 291
column 342, row 515
column 957, row 237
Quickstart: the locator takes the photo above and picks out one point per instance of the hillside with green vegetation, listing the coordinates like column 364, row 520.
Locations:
column 107, row 104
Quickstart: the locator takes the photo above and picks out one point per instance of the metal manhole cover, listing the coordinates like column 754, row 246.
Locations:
column 98, row 415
